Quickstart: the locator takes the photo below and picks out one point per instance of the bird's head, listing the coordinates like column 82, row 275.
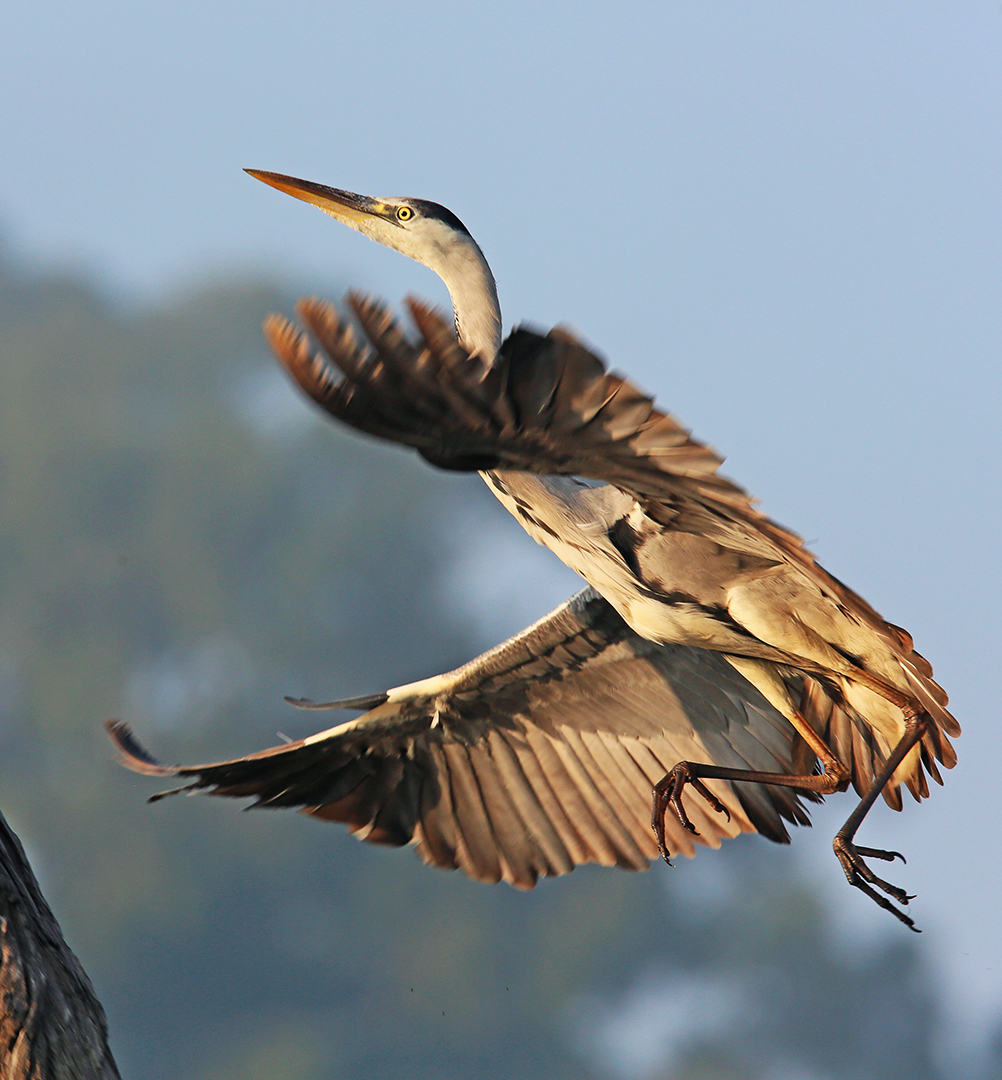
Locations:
column 424, row 231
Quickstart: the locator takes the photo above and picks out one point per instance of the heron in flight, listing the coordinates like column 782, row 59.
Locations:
column 710, row 657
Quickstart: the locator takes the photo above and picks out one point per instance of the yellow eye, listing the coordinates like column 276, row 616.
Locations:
column 404, row 213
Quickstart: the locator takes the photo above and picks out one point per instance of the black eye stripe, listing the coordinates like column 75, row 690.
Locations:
column 435, row 212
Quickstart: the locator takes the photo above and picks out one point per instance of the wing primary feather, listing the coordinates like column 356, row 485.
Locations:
column 437, row 837
column 472, row 825
column 519, row 855
column 363, row 701
column 531, row 810
column 556, row 793
column 602, row 764
column 605, row 835
column 133, row 754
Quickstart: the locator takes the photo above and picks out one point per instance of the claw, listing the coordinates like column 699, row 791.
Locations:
column 660, row 802
column 668, row 793
column 879, row 853
column 860, row 876
column 715, row 803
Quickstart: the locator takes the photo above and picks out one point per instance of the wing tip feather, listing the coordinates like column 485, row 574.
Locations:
column 132, row 754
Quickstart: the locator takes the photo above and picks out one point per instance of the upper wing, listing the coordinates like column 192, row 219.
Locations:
column 546, row 405
column 536, row 757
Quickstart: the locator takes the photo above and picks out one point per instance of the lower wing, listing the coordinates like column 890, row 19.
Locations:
column 534, row 758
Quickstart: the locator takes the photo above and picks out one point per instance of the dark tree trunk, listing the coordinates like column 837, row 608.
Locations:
column 52, row 1026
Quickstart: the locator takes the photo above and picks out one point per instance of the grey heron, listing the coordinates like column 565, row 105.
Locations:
column 710, row 650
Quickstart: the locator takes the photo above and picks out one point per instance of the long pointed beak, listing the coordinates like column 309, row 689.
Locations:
column 346, row 206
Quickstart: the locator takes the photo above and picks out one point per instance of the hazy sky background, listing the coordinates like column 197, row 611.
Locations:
column 782, row 218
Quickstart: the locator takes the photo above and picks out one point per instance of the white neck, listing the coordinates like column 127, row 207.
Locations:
column 474, row 299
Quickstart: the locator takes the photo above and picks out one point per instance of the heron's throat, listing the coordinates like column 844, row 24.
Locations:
column 474, row 302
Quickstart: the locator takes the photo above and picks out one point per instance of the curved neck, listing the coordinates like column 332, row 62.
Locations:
column 474, row 299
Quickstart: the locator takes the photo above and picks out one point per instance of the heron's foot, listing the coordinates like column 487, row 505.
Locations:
column 863, row 878
column 668, row 794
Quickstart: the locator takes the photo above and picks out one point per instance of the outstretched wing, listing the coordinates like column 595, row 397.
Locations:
column 536, row 757
column 545, row 405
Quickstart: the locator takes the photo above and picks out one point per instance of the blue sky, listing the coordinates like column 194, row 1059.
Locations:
column 783, row 219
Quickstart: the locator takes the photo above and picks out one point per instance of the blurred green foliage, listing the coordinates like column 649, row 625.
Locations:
column 180, row 542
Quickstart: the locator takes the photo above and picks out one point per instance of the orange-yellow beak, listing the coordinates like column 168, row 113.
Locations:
column 346, row 206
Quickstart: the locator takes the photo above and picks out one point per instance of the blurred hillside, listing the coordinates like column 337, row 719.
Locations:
column 182, row 544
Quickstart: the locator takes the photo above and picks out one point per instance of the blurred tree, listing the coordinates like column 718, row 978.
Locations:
column 757, row 984
column 181, row 543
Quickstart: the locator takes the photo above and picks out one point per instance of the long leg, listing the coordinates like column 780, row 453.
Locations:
column 851, row 856
column 668, row 791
